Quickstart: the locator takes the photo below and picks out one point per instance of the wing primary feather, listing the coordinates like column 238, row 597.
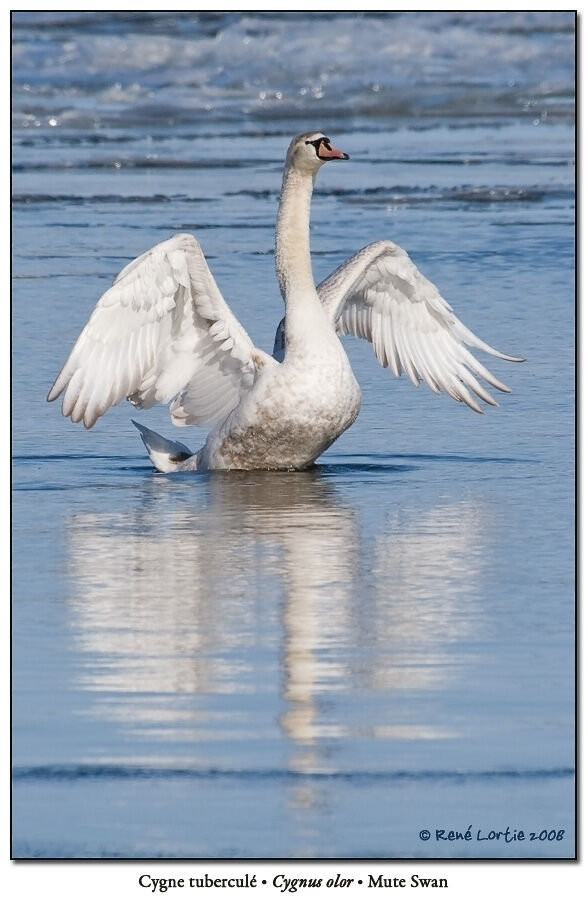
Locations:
column 482, row 371
column 422, row 363
column 475, row 386
column 72, row 392
column 392, row 349
column 471, row 339
column 404, row 353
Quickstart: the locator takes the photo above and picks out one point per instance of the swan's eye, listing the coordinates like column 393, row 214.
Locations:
column 317, row 144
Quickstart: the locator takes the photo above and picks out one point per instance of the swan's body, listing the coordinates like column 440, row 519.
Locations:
column 163, row 332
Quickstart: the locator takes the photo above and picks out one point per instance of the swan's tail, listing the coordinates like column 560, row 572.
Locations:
column 166, row 455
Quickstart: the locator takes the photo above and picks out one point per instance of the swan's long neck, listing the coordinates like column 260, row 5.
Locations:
column 307, row 328
column 293, row 264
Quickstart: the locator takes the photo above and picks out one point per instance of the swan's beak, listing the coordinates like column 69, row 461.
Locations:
column 328, row 152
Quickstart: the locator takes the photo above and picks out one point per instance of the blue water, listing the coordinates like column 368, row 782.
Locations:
column 317, row 664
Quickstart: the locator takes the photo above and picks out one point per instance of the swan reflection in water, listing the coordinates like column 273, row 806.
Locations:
column 252, row 584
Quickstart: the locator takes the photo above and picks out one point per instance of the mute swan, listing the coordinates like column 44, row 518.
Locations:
column 163, row 332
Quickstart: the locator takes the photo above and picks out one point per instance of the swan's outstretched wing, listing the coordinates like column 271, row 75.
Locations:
column 380, row 294
column 161, row 331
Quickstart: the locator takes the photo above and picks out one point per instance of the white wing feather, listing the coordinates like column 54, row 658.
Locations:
column 163, row 330
column 379, row 294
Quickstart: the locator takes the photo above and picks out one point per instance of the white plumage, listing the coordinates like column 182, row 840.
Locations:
column 163, row 333
column 379, row 294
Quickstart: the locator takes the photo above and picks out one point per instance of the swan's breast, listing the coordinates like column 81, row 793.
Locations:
column 290, row 421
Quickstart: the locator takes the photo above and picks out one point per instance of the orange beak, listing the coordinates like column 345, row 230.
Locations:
column 331, row 153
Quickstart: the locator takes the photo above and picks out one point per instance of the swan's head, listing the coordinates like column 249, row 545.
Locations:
column 308, row 152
